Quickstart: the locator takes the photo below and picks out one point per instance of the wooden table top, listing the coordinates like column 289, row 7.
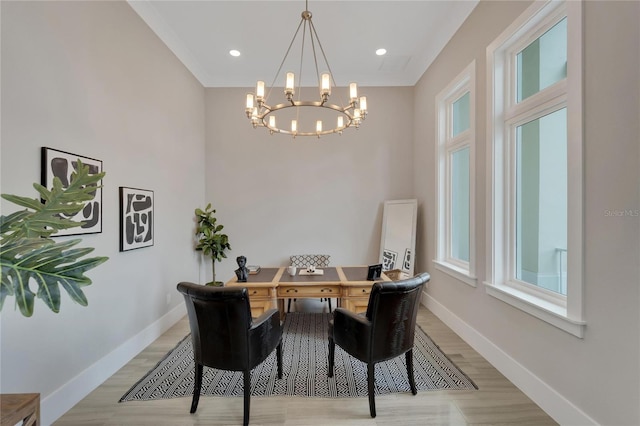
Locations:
column 343, row 275
column 14, row 407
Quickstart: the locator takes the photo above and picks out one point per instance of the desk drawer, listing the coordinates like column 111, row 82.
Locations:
column 259, row 292
column 358, row 291
column 310, row 291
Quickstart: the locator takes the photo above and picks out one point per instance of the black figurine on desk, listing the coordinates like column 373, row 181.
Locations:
column 242, row 272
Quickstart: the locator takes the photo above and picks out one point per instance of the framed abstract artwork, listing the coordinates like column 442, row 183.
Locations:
column 61, row 164
column 389, row 258
column 408, row 259
column 136, row 218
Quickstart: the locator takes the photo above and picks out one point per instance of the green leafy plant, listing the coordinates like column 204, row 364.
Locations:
column 28, row 254
column 211, row 241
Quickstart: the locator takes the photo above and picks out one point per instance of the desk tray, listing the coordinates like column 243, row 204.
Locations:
column 316, row 272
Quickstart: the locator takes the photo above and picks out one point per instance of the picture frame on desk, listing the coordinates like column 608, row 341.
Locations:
column 374, row 272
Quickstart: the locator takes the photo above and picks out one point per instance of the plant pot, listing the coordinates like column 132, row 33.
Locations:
column 215, row 284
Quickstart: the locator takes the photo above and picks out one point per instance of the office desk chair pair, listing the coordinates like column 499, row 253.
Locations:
column 225, row 336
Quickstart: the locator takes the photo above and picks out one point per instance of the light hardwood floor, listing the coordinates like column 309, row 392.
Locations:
column 496, row 402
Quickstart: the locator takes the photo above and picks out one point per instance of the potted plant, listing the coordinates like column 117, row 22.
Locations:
column 28, row 254
column 211, row 241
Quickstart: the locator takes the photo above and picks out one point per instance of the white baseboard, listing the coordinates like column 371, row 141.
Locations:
column 64, row 398
column 554, row 404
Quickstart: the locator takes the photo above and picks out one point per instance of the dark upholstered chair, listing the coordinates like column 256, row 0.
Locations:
column 225, row 336
column 386, row 331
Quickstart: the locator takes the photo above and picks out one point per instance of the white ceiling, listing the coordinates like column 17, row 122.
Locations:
column 201, row 33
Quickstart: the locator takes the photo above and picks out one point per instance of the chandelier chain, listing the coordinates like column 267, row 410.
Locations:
column 285, row 57
column 304, row 33
column 324, row 56
column 313, row 47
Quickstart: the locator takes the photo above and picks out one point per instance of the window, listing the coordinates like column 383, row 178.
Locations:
column 534, row 137
column 541, row 201
column 455, row 133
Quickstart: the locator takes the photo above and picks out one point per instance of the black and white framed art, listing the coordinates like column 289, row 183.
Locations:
column 136, row 218
column 389, row 258
column 61, row 164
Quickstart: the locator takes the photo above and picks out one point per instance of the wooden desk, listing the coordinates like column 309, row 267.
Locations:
column 20, row 407
column 271, row 286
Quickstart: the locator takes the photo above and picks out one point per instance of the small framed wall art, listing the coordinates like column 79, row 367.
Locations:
column 136, row 218
column 61, row 164
column 406, row 263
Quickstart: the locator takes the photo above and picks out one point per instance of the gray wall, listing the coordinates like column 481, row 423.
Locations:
column 598, row 374
column 92, row 79
column 278, row 196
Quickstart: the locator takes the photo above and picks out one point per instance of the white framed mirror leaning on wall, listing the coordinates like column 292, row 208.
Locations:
column 398, row 238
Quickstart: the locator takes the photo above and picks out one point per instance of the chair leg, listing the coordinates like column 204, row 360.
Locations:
column 197, row 384
column 371, row 368
column 412, row 381
column 329, row 300
column 332, row 350
column 279, row 359
column 247, row 396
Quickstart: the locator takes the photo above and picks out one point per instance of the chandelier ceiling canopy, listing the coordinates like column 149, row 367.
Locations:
column 301, row 117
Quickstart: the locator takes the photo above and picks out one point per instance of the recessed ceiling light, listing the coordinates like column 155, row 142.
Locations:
column 381, row 52
column 234, row 52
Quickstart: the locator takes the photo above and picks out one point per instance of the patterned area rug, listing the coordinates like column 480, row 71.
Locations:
column 304, row 358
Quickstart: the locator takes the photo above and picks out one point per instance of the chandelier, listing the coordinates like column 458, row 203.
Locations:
column 272, row 117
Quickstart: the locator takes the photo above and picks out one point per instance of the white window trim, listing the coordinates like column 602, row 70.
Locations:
column 465, row 81
column 566, row 313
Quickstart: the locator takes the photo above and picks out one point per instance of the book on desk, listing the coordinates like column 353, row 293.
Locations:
column 253, row 269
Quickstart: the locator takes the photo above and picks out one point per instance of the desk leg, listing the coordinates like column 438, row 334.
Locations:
column 281, row 309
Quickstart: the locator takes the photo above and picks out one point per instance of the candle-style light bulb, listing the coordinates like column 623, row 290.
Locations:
column 363, row 104
column 353, row 91
column 294, row 126
column 325, row 85
column 289, row 84
column 272, row 121
column 249, row 101
column 340, row 121
column 254, row 116
column 260, row 90
column 318, row 126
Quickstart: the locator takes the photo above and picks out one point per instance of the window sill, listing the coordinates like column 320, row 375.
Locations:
column 539, row 308
column 456, row 272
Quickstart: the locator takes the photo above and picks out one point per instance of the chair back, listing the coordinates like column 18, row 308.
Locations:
column 392, row 310
column 220, row 318
column 304, row 260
